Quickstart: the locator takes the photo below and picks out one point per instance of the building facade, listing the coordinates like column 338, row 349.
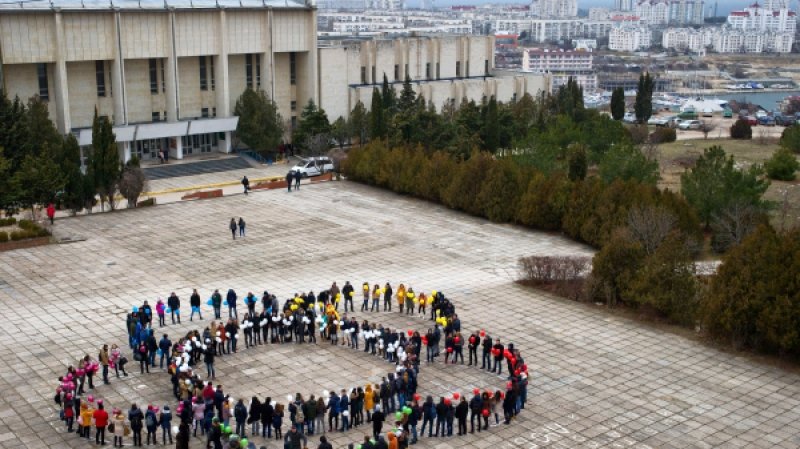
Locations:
column 167, row 75
column 555, row 8
column 676, row 12
column 629, row 38
column 561, row 65
column 441, row 69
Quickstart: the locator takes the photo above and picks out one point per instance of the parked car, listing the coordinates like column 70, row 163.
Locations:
column 785, row 120
column 688, row 114
column 314, row 166
column 727, row 113
column 751, row 120
column 690, row 124
column 629, row 118
column 659, row 121
column 708, row 112
column 766, row 120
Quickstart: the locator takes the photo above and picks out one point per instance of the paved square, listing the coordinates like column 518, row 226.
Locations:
column 597, row 381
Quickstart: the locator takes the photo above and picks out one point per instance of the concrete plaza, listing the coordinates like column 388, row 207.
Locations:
column 596, row 380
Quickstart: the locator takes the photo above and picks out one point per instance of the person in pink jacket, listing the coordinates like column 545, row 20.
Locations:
column 160, row 311
column 198, row 413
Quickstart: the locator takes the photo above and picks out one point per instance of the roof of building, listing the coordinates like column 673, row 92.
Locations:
column 40, row 5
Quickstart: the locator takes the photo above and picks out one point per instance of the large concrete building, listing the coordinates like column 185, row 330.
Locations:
column 167, row 74
column 442, row 69
column 561, row 65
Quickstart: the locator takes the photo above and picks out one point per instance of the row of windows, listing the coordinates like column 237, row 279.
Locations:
column 252, row 74
column 427, row 71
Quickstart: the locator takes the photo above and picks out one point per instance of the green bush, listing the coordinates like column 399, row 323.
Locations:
column 741, row 130
column 782, row 165
column 3, row 236
column 663, row 135
column 28, row 225
column 7, row 221
column 790, row 138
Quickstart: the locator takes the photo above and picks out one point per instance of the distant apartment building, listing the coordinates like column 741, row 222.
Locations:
column 676, row 12
column 695, row 40
column 623, row 5
column 599, row 14
column 629, row 38
column 561, row 65
column 555, row 8
column 737, row 41
column 584, row 44
column 442, row 69
column 758, row 18
column 551, row 30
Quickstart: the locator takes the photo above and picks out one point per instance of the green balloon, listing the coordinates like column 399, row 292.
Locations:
column 407, row 410
column 358, row 446
column 398, row 415
column 243, row 442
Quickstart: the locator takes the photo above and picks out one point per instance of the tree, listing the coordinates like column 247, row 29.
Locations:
column 650, row 225
column 626, row 162
column 666, row 281
column 377, row 119
column 618, row 103
column 313, row 122
column 643, row 106
column 706, row 127
column 340, row 131
column 782, row 165
column 500, row 191
column 733, row 223
column 715, row 182
column 577, row 163
column 388, row 97
column 260, row 125
column 790, row 138
column 75, row 196
column 359, row 122
column 38, row 179
column 104, row 165
column 491, row 127
column 615, row 265
column 741, row 130
column 407, row 96
column 132, row 182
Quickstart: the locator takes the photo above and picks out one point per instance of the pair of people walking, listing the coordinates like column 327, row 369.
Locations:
column 293, row 175
column 240, row 226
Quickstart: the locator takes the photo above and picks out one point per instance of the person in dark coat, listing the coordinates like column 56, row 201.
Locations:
column 293, row 438
column 475, row 406
column 174, row 304
column 215, row 435
column 266, row 418
column 462, row 410
column 240, row 414
column 323, row 443
column 377, row 421
column 182, row 439
column 289, row 178
column 297, row 177
column 246, row 184
column 232, row 227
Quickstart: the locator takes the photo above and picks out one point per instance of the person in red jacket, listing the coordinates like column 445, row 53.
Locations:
column 100, row 421
column 51, row 212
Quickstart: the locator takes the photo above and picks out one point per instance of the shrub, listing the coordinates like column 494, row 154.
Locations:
column 7, row 221
column 638, row 134
column 3, row 236
column 663, row 135
column 782, row 165
column 28, row 225
column 790, row 138
column 565, row 273
column 741, row 130
column 146, row 203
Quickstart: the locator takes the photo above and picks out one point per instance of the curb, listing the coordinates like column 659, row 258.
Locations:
column 208, row 186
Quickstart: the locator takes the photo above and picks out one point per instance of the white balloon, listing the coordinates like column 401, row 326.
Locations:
column 218, row 334
column 194, row 338
column 219, row 340
column 175, row 430
column 188, row 381
column 205, row 347
column 227, row 335
column 289, row 398
column 325, row 393
column 275, row 319
column 235, row 336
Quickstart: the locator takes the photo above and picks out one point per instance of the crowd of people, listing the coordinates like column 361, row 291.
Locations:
column 305, row 318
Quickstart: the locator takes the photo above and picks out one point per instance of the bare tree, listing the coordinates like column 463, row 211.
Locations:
column 650, row 225
column 706, row 127
column 733, row 223
column 318, row 144
column 132, row 184
column 763, row 135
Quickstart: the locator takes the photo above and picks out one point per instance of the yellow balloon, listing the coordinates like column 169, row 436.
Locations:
column 294, row 307
column 366, row 287
column 299, row 300
column 433, row 293
column 351, row 294
column 338, row 295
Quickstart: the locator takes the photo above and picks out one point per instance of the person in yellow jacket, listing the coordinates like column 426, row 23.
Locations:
column 86, row 419
column 411, row 299
column 376, row 298
column 401, row 296
column 365, row 303
column 369, row 401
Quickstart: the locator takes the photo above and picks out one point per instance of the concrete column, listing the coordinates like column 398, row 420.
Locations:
column 178, row 147
column 221, row 69
column 118, row 78
column 60, row 85
column 223, row 83
column 266, row 56
column 313, row 55
column 126, row 152
column 171, row 72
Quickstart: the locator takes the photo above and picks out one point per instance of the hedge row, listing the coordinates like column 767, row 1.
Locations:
column 501, row 190
column 8, row 221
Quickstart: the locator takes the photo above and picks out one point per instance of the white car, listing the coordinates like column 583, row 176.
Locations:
column 690, row 124
column 314, row 166
column 659, row 121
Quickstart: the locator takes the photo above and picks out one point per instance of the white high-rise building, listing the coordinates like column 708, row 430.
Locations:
column 623, row 5
column 678, row 12
column 757, row 18
column 629, row 38
column 556, row 8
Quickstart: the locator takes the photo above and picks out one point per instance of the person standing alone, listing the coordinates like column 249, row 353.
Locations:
column 246, row 184
column 241, row 227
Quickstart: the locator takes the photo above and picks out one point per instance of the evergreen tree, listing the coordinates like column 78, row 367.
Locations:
column 104, row 164
column 340, row 130
column 490, row 132
column 377, row 119
column 577, row 163
column 618, row 103
column 408, row 97
column 74, row 197
column 260, row 125
column 13, row 130
column 388, row 96
column 313, row 124
column 715, row 183
column 643, row 107
column 359, row 122
column 38, row 179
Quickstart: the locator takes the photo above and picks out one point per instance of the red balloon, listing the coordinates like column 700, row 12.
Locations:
column 456, row 395
column 476, row 391
column 410, row 332
column 509, row 385
column 450, row 349
column 447, row 401
column 417, row 397
column 485, row 412
column 517, row 372
column 457, row 340
column 502, row 395
column 483, row 333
